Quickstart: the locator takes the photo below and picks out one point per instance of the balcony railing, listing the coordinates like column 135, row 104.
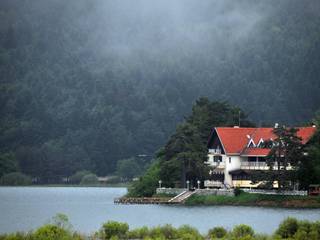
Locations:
column 260, row 166
column 215, row 164
column 254, row 165
column 214, row 151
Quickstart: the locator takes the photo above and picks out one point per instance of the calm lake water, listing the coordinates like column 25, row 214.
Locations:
column 26, row 208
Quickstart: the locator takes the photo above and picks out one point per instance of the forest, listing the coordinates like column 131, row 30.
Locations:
column 86, row 84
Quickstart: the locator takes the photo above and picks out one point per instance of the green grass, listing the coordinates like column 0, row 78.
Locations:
column 164, row 195
column 249, row 199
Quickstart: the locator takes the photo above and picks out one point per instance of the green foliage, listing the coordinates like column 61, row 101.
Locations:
column 237, row 191
column 242, row 231
column 115, row 229
column 290, row 229
column 8, row 163
column 287, row 228
column 17, row 236
column 286, row 150
column 15, row 179
column 89, row 179
column 164, row 232
column 51, row 232
column 62, row 221
column 77, row 177
column 188, row 232
column 138, row 233
column 217, row 232
column 147, row 184
column 309, row 167
column 128, row 168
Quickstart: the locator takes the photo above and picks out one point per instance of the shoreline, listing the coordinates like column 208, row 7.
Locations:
column 243, row 199
column 257, row 200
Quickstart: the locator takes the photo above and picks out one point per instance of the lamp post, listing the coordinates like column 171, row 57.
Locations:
column 198, row 184
column 160, row 183
column 188, row 184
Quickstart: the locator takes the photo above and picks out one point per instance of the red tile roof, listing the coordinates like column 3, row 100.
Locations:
column 235, row 140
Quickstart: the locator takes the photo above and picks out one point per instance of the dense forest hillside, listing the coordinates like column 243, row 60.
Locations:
column 84, row 83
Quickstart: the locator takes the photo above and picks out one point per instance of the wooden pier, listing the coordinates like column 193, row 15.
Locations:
column 179, row 199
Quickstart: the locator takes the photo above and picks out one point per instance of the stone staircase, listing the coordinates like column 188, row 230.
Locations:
column 180, row 198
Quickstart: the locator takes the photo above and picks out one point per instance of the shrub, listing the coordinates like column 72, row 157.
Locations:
column 77, row 177
column 51, row 232
column 242, row 231
column 156, row 233
column 147, row 184
column 287, row 228
column 89, row 179
column 15, row 179
column 62, row 221
column 301, row 235
column 217, row 232
column 138, row 233
column 261, row 237
column 169, row 232
column 237, row 191
column 186, row 231
column 16, row 236
column 115, row 229
column 315, row 230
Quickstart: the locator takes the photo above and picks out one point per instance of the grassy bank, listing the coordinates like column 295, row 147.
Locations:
column 250, row 199
column 60, row 229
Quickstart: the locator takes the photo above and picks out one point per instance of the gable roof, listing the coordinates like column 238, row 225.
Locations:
column 235, row 140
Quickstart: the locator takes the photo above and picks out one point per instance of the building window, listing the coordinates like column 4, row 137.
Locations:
column 229, row 159
column 217, row 158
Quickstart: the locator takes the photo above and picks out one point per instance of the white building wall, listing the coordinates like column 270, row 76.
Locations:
column 231, row 163
column 210, row 159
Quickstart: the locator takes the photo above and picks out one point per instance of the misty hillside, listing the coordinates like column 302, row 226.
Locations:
column 85, row 83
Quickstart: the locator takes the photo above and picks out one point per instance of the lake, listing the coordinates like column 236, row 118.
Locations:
column 26, row 208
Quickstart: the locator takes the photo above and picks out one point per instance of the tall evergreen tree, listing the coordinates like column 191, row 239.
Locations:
column 286, row 152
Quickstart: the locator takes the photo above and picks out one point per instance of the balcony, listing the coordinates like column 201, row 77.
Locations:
column 254, row 166
column 260, row 166
column 214, row 150
column 216, row 164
